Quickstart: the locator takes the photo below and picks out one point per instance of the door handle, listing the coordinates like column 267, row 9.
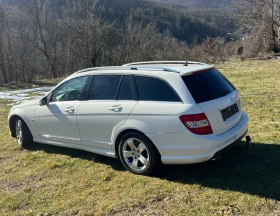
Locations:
column 70, row 109
column 116, row 108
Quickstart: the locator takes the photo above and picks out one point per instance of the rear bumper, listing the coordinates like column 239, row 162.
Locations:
column 229, row 146
column 187, row 148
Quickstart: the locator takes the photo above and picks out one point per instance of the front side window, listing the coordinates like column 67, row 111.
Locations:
column 70, row 90
column 152, row 89
column 104, row 87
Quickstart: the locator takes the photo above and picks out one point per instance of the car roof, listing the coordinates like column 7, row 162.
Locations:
column 181, row 67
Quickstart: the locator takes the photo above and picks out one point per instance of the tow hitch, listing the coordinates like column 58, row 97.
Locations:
column 218, row 155
column 246, row 145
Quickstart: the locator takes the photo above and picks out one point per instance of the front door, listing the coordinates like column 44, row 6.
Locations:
column 57, row 121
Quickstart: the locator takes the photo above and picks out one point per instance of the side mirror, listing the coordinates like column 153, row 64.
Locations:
column 44, row 101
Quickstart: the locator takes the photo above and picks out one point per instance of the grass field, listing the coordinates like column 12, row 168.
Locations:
column 57, row 181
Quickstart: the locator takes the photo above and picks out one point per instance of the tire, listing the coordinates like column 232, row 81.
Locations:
column 138, row 154
column 23, row 134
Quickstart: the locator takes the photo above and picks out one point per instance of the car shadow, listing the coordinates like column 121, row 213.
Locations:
column 76, row 153
column 255, row 171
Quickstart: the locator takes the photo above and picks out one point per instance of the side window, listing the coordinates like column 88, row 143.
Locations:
column 70, row 90
column 152, row 89
column 126, row 89
column 104, row 87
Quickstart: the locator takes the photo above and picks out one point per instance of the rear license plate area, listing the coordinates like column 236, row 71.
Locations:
column 229, row 111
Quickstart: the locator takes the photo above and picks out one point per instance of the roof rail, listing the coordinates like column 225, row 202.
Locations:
column 152, row 68
column 84, row 70
column 185, row 63
column 101, row 68
column 128, row 68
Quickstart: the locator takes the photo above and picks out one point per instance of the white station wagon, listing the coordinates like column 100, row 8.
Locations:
column 143, row 113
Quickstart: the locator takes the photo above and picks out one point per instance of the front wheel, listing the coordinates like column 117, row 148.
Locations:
column 138, row 154
column 23, row 134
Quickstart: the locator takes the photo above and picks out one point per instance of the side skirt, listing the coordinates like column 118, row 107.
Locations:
column 105, row 152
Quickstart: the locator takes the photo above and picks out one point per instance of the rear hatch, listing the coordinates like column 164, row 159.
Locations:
column 217, row 97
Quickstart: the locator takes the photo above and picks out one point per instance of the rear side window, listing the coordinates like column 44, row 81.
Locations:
column 208, row 85
column 104, row 87
column 126, row 89
column 152, row 89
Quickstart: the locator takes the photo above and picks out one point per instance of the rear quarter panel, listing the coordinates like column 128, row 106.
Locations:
column 157, row 118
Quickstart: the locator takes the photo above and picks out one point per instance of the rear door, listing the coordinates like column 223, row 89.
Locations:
column 217, row 97
column 111, row 99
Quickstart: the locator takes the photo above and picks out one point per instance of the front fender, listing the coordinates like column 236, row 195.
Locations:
column 27, row 115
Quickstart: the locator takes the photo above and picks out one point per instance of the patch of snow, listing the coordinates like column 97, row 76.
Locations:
column 20, row 95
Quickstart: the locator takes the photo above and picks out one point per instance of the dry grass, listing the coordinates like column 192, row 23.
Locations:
column 34, row 84
column 57, row 181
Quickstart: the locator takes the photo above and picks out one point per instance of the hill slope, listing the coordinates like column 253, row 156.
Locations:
column 215, row 13
column 183, row 25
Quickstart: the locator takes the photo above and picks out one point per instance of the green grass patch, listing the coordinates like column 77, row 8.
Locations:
column 48, row 180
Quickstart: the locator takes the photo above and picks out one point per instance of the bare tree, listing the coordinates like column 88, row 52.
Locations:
column 170, row 48
column 3, row 49
column 139, row 41
column 262, row 17
column 44, row 36
column 89, row 40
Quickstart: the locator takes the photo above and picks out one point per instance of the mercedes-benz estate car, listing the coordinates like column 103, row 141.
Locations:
column 142, row 113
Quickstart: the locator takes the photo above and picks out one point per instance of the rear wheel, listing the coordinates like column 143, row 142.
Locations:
column 138, row 154
column 23, row 134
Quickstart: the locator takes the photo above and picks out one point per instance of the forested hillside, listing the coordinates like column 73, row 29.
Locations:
column 183, row 25
column 215, row 13
column 53, row 38
column 226, row 4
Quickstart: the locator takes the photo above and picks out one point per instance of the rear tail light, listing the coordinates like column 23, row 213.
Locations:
column 197, row 123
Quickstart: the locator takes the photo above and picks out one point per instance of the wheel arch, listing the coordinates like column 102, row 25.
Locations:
column 125, row 131
column 12, row 121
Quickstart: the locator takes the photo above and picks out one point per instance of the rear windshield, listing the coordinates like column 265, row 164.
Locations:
column 208, row 85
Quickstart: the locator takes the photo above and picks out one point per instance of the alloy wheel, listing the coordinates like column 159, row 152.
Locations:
column 136, row 154
column 19, row 132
